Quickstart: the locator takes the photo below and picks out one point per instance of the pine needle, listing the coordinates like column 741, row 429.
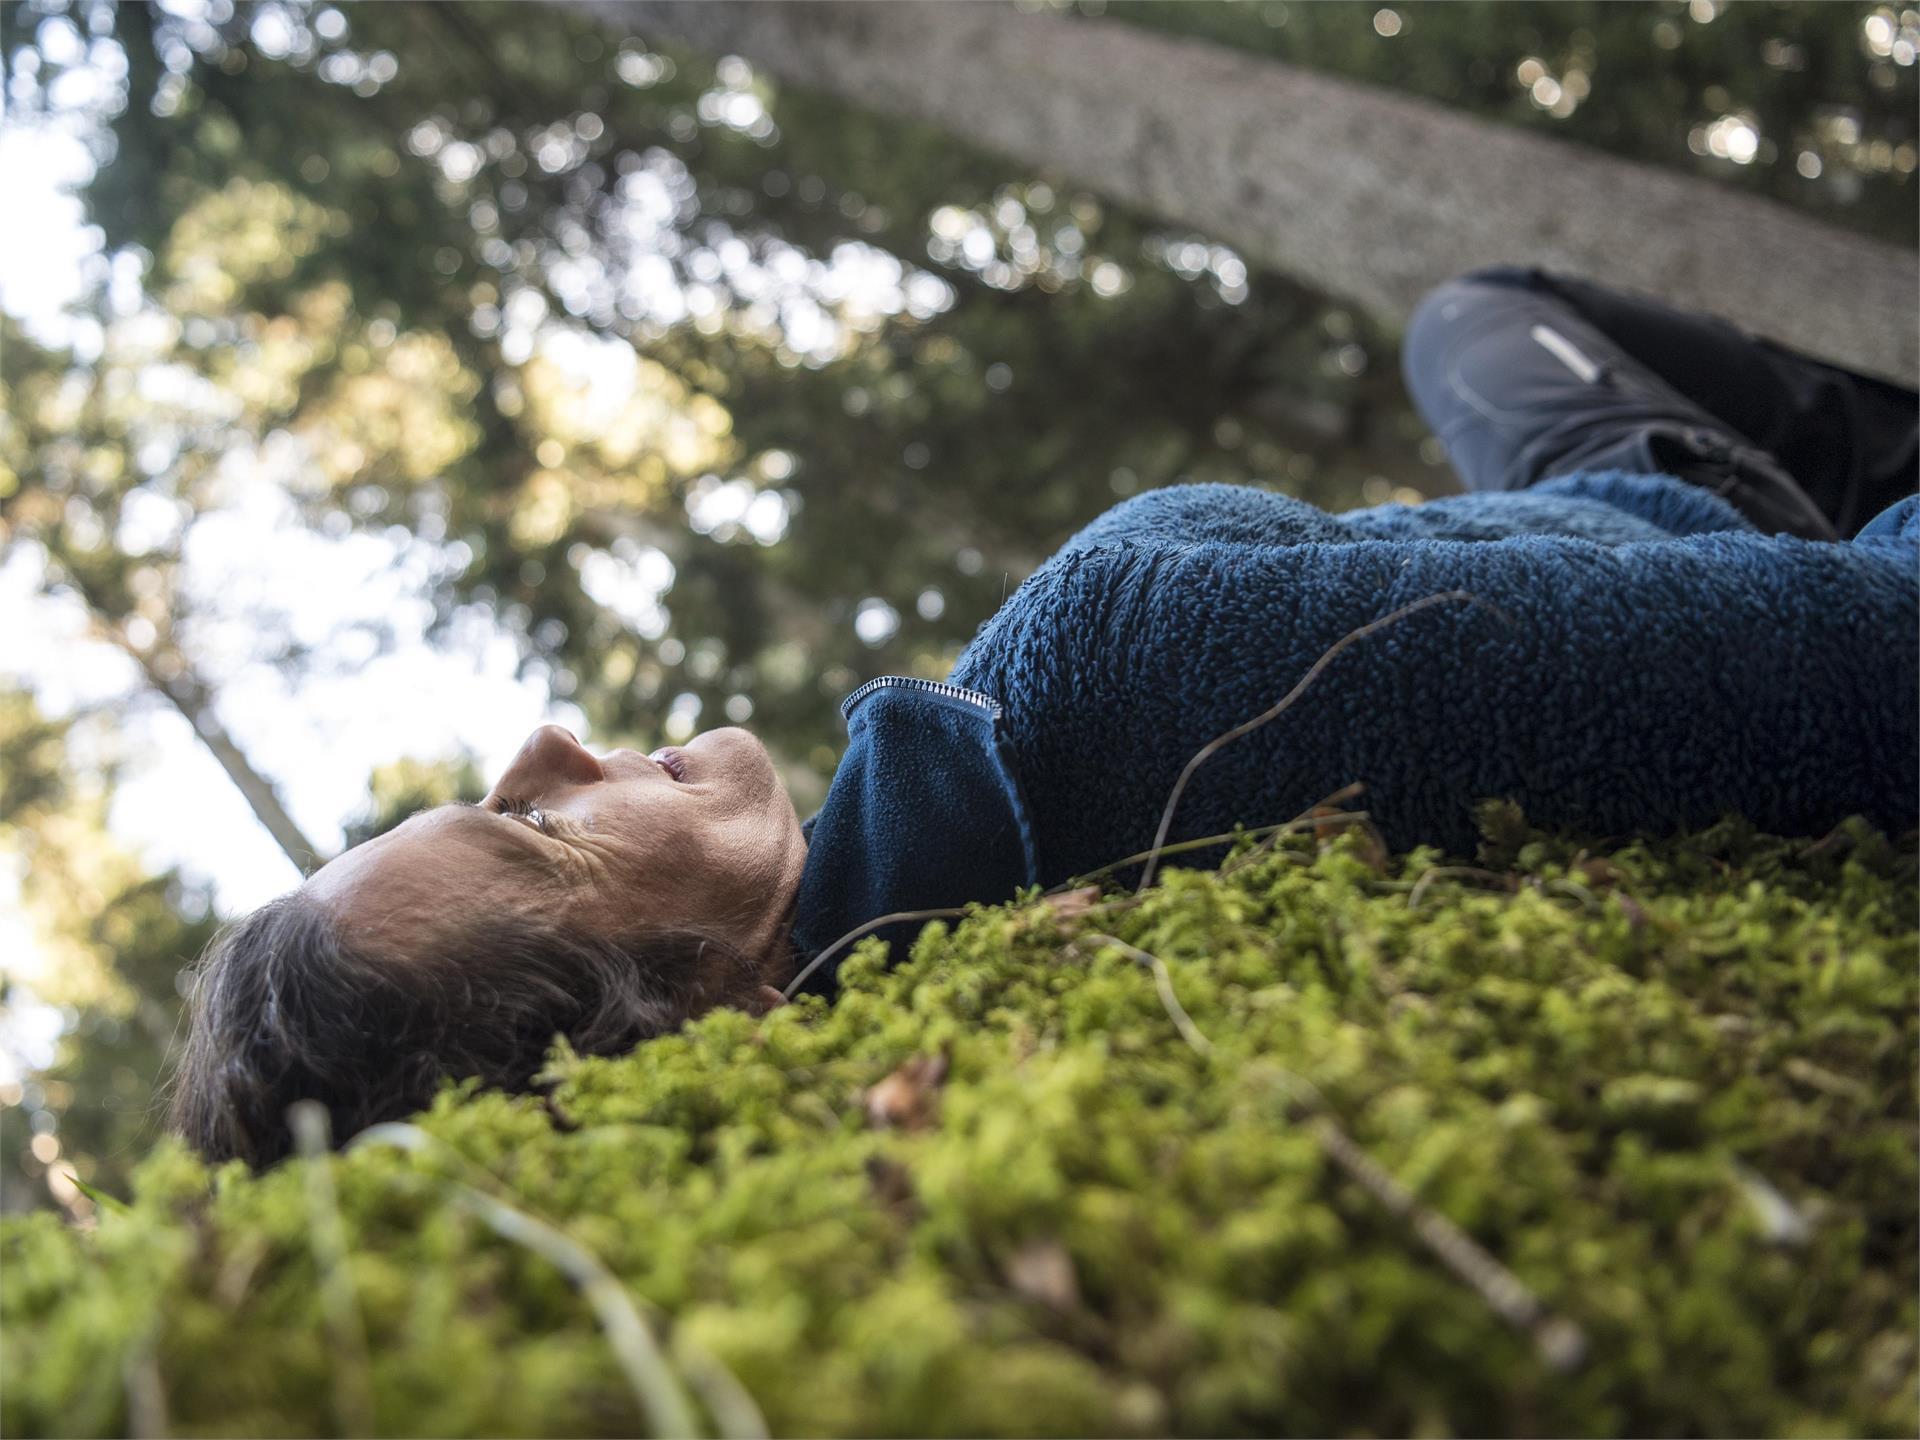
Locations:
column 1560, row 1342
column 1449, row 872
column 146, row 1395
column 1163, row 982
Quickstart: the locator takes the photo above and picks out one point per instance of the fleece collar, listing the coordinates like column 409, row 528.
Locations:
column 925, row 811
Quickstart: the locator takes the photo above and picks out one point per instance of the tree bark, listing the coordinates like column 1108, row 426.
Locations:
column 1362, row 193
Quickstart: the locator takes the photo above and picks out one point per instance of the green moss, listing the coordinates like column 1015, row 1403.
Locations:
column 1671, row 1090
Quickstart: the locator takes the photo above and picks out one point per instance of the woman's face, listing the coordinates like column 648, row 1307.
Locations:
column 615, row 845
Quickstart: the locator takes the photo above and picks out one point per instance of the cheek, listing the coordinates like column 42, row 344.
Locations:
column 683, row 851
column 744, row 767
column 645, row 841
column 749, row 856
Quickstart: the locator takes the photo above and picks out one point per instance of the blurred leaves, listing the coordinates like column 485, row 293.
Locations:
column 406, row 786
column 112, row 937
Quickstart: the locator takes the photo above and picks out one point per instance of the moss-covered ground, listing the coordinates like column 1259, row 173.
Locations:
column 1320, row 1143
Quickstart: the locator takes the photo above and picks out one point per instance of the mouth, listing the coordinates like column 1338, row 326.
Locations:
column 673, row 761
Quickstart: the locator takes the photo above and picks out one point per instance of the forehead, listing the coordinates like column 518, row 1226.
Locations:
column 432, row 864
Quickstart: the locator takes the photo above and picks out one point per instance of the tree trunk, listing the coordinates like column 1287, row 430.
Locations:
column 1360, row 192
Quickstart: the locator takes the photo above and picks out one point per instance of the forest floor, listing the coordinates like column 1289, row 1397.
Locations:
column 1562, row 1140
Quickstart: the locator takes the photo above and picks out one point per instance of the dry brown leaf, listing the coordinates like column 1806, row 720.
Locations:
column 1372, row 848
column 1330, row 822
column 1063, row 907
column 905, row 1099
column 1042, row 1270
column 1072, row 904
column 1599, row 871
column 1325, row 827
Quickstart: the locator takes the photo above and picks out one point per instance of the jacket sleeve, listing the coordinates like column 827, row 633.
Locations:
column 1615, row 688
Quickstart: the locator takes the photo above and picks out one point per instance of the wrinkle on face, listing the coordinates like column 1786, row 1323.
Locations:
column 629, row 853
column 577, row 857
column 403, row 888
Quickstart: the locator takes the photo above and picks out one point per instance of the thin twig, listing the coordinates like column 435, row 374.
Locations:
column 735, row 1412
column 859, row 930
column 1448, row 872
column 1586, row 897
column 1559, row 1340
column 1163, row 981
column 1200, row 844
column 1269, row 832
column 1352, row 637
column 1313, row 817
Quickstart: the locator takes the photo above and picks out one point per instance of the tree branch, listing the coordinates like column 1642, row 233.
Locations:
column 191, row 697
column 1361, row 192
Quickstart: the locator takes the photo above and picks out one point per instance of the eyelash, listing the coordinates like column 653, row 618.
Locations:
column 525, row 810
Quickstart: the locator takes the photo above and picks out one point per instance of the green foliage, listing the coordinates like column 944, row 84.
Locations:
column 332, row 275
column 1670, row 1088
column 407, row 786
column 294, row 209
column 112, row 937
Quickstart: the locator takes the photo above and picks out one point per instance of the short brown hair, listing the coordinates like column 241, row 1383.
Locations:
column 284, row 1009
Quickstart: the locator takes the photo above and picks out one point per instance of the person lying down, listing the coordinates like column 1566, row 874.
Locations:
column 1639, row 619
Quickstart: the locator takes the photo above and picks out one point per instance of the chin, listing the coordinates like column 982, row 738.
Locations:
column 733, row 751
column 725, row 735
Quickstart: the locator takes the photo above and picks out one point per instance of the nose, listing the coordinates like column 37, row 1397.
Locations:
column 551, row 758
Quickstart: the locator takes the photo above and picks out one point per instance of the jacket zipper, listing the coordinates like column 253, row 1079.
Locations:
column 914, row 682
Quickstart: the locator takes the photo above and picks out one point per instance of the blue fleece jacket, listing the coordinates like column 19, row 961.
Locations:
column 1644, row 661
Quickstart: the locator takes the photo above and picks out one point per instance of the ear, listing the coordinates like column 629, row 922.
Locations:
column 764, row 999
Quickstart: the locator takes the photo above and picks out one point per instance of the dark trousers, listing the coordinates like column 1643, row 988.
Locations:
column 1525, row 374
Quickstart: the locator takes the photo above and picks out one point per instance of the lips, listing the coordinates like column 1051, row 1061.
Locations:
column 673, row 761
